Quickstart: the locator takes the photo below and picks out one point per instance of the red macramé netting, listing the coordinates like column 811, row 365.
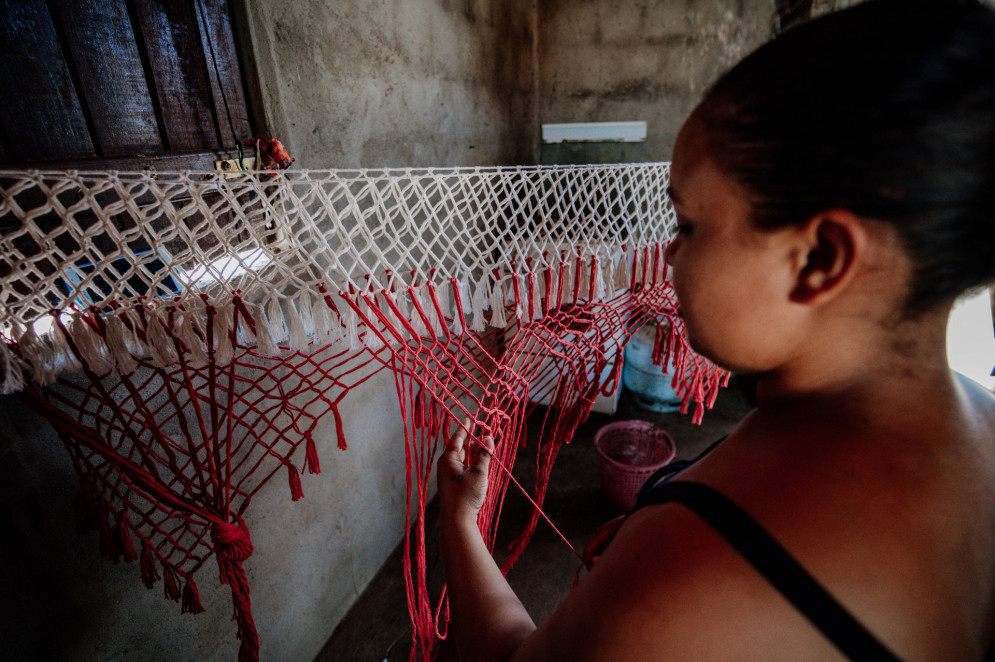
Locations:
column 170, row 458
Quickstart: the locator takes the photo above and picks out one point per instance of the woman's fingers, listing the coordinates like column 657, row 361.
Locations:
column 483, row 461
column 458, row 440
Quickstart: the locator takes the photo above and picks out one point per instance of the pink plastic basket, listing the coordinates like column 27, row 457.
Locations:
column 628, row 454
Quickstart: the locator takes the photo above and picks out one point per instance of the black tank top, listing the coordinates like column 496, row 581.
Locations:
column 768, row 557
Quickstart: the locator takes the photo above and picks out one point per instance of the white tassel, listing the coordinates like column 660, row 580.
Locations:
column 623, row 275
column 35, row 352
column 13, row 376
column 392, row 319
column 477, row 302
column 554, row 280
column 224, row 352
column 90, row 346
column 352, row 329
column 370, row 339
column 58, row 357
column 117, row 345
column 429, row 305
column 568, row 280
column 264, row 339
column 297, row 336
column 585, row 281
column 520, row 300
column 497, row 306
column 160, row 345
column 185, row 328
column 599, row 283
column 306, row 310
column 321, row 314
column 443, row 294
column 402, row 303
column 277, row 322
column 129, row 322
column 417, row 322
column 244, row 336
column 336, row 332
column 464, row 294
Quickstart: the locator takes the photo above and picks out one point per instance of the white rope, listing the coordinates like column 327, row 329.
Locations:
column 105, row 242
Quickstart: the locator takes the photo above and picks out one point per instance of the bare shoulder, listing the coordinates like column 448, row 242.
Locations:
column 669, row 587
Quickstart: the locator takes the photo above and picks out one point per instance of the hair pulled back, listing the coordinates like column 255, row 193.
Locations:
column 886, row 109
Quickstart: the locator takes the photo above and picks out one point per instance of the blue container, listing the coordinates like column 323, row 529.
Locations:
column 649, row 383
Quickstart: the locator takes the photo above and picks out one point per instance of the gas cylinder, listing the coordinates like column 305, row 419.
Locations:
column 649, row 383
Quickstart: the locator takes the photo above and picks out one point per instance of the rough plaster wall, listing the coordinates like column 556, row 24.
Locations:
column 619, row 60
column 311, row 558
column 374, row 83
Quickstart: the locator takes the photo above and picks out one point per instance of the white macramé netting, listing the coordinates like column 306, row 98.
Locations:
column 104, row 241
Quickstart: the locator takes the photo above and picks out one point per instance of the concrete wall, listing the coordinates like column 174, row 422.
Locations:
column 380, row 83
column 619, row 60
column 353, row 83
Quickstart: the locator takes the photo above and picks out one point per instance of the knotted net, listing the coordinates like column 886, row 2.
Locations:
column 184, row 333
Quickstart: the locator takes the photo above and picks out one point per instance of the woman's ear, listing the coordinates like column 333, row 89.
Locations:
column 833, row 241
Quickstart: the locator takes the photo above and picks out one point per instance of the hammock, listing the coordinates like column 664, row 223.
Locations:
column 184, row 333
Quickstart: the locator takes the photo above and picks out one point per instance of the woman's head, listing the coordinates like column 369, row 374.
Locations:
column 887, row 110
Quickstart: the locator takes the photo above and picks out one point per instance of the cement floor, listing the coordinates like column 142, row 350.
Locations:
column 377, row 628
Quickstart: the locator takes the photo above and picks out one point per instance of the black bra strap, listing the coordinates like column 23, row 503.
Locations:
column 772, row 561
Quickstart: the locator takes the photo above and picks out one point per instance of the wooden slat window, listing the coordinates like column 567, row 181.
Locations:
column 119, row 84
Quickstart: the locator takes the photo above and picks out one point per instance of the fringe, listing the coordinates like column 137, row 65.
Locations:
column 477, row 302
column 191, row 598
column 12, row 377
column 116, row 337
column 498, row 319
column 224, row 318
column 352, row 329
column 277, row 322
column 171, row 583
column 89, row 345
column 622, row 276
column 150, row 574
column 191, row 334
column 265, row 344
column 311, row 456
column 294, row 476
column 160, row 346
column 297, row 337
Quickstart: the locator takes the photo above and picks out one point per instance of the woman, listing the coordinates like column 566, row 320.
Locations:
column 835, row 193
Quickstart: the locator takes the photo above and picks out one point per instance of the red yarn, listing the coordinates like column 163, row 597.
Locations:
column 174, row 455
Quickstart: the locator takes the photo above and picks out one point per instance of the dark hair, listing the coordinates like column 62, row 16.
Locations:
column 886, row 109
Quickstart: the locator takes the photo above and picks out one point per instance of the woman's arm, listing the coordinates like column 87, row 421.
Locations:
column 488, row 620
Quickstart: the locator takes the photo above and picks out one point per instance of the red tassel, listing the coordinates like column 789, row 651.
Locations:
column 339, row 432
column 171, row 583
column 121, row 540
column 311, row 457
column 150, row 574
column 191, row 598
column 296, row 491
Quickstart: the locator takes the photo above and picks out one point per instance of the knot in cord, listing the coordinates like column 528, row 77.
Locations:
column 232, row 540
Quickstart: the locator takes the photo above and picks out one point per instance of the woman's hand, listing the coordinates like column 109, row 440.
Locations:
column 463, row 486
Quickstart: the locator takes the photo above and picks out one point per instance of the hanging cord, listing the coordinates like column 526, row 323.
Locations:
column 535, row 505
column 221, row 87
